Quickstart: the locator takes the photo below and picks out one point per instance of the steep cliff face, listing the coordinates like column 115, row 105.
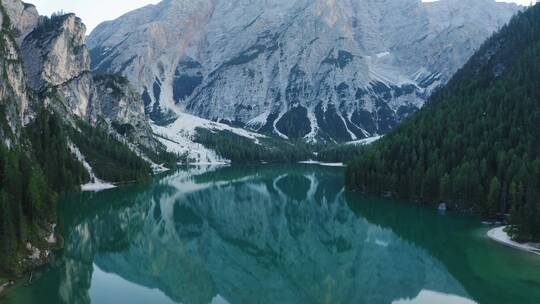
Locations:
column 15, row 20
column 330, row 70
column 46, row 66
column 55, row 53
column 57, row 65
column 10, row 80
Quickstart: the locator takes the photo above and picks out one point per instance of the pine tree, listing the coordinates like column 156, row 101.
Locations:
column 494, row 196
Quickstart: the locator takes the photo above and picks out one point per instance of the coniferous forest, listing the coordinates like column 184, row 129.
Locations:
column 32, row 176
column 272, row 149
column 242, row 150
column 111, row 160
column 476, row 144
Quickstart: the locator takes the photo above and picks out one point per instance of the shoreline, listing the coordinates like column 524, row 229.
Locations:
column 326, row 164
column 5, row 286
column 498, row 235
column 97, row 186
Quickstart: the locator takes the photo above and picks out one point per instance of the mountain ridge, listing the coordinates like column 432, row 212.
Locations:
column 312, row 70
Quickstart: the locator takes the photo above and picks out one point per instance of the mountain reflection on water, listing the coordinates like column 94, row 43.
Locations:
column 253, row 234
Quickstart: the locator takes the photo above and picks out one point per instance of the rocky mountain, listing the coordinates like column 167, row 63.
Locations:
column 123, row 109
column 57, row 66
column 336, row 70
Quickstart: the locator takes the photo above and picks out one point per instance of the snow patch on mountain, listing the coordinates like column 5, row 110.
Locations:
column 179, row 137
column 95, row 183
column 365, row 141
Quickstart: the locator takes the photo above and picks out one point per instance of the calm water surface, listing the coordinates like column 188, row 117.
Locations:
column 272, row 234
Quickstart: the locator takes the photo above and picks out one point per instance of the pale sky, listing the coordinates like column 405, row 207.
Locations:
column 93, row 12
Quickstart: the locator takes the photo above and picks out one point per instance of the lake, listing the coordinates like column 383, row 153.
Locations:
column 271, row 234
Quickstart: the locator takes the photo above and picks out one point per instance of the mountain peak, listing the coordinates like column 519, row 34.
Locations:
column 338, row 70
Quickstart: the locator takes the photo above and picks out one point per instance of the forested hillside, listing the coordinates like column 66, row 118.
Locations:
column 476, row 144
column 31, row 177
column 239, row 149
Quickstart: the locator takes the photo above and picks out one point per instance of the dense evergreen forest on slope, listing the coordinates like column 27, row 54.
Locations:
column 240, row 149
column 342, row 153
column 110, row 159
column 31, row 177
column 476, row 143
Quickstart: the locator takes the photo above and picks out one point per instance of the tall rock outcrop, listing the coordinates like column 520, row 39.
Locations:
column 16, row 20
column 53, row 65
column 55, row 53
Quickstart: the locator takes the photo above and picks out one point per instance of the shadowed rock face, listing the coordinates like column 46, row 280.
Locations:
column 124, row 109
column 357, row 66
column 270, row 235
column 16, row 20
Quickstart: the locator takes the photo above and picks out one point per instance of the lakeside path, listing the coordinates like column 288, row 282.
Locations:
column 499, row 236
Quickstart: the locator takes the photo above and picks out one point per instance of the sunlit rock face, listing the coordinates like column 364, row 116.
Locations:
column 23, row 17
column 246, row 236
column 57, row 64
column 319, row 70
column 56, row 54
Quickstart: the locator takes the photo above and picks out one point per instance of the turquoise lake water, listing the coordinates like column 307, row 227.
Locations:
column 271, row 234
